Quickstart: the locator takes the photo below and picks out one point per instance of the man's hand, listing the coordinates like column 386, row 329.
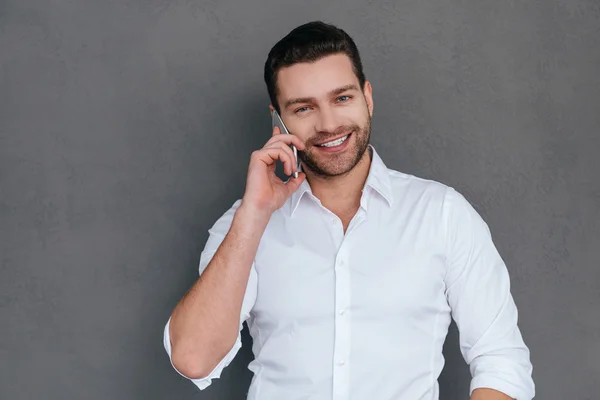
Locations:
column 489, row 394
column 264, row 190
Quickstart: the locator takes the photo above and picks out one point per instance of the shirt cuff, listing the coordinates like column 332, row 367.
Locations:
column 202, row 383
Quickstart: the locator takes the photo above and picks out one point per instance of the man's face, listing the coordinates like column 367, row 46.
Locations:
column 322, row 103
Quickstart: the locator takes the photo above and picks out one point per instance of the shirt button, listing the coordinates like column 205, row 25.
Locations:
column 341, row 262
column 342, row 312
column 341, row 362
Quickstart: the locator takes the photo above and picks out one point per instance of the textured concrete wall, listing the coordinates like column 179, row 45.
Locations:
column 125, row 131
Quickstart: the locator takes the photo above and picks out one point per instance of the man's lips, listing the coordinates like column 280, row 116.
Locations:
column 336, row 138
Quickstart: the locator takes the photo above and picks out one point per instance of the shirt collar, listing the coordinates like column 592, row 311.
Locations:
column 378, row 179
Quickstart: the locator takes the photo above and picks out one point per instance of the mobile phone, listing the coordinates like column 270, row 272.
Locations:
column 277, row 121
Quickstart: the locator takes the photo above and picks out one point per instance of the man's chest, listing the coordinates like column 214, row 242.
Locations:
column 392, row 270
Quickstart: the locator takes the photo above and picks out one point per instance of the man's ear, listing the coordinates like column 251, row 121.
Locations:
column 271, row 108
column 368, row 92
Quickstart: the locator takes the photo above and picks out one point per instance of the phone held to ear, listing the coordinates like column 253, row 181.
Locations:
column 277, row 121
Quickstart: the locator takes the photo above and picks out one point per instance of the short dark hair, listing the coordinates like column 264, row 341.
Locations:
column 309, row 43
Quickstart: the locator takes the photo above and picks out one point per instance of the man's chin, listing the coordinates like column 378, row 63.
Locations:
column 334, row 164
column 329, row 170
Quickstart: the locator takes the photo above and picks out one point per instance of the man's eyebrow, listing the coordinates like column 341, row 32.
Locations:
column 343, row 89
column 333, row 92
column 291, row 102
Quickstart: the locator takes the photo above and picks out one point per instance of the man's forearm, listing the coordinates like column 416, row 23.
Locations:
column 205, row 323
column 489, row 394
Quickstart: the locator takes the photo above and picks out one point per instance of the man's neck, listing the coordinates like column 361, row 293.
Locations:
column 342, row 193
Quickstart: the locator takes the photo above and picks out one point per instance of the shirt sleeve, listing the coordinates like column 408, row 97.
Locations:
column 216, row 235
column 478, row 292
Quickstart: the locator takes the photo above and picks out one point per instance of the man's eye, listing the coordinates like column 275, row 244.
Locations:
column 301, row 109
column 343, row 98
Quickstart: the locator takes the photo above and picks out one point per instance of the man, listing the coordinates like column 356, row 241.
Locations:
column 349, row 275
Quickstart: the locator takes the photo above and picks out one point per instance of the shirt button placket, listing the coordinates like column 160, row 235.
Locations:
column 341, row 353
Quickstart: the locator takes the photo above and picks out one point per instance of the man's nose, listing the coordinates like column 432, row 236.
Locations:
column 327, row 120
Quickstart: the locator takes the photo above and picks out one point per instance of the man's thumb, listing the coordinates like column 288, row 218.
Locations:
column 294, row 183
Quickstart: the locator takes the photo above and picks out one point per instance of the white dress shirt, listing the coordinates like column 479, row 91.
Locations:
column 364, row 315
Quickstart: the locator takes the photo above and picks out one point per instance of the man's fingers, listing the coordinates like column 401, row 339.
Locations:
column 287, row 139
column 290, row 153
column 294, row 183
column 271, row 154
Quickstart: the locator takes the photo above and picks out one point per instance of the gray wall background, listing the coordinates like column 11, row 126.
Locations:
column 126, row 129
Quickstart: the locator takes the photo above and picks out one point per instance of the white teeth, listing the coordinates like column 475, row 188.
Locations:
column 335, row 142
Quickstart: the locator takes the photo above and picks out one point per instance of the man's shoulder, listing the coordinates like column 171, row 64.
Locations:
column 405, row 184
column 432, row 193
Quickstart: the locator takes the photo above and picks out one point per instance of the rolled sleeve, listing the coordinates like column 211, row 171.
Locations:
column 203, row 383
column 478, row 292
column 216, row 235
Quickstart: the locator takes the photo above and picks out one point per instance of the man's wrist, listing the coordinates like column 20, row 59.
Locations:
column 251, row 216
